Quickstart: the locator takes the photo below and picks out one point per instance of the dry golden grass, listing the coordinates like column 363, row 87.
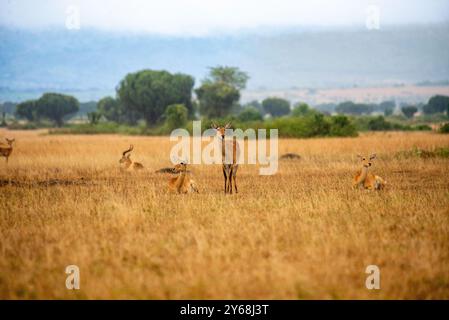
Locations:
column 303, row 233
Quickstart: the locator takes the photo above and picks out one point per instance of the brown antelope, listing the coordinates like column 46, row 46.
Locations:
column 366, row 179
column 230, row 165
column 127, row 163
column 182, row 183
column 6, row 150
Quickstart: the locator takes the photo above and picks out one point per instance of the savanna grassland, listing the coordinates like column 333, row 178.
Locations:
column 302, row 233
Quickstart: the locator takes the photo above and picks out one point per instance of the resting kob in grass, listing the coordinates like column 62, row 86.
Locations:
column 182, row 183
column 126, row 161
column 226, row 146
column 366, row 179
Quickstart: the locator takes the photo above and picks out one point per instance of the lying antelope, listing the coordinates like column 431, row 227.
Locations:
column 366, row 179
column 230, row 152
column 6, row 150
column 182, row 183
column 127, row 163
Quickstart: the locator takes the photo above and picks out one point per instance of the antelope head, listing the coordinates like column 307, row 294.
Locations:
column 126, row 154
column 221, row 130
column 10, row 141
column 181, row 167
column 367, row 161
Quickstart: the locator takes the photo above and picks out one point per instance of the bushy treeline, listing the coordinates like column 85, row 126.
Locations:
column 436, row 104
column 379, row 123
column 311, row 125
column 156, row 102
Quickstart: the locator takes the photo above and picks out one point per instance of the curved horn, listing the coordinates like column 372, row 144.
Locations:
column 131, row 147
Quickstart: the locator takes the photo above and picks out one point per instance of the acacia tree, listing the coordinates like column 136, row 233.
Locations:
column 27, row 110
column 232, row 76
column 276, row 106
column 437, row 104
column 55, row 107
column 409, row 111
column 220, row 91
column 149, row 92
column 216, row 99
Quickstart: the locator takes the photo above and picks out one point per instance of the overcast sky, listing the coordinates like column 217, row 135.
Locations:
column 206, row 17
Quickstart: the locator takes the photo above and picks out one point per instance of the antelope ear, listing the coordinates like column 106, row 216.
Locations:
column 373, row 156
column 228, row 125
column 213, row 125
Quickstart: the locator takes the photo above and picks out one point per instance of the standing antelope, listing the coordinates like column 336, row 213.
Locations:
column 6, row 150
column 127, row 163
column 182, row 183
column 230, row 165
column 366, row 179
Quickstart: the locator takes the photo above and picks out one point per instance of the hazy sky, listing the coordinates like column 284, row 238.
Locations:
column 205, row 17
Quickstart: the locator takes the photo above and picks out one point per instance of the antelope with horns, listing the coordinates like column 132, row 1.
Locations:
column 6, row 150
column 182, row 183
column 230, row 152
column 127, row 163
column 366, row 179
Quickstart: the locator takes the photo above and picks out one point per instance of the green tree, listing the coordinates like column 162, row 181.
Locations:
column 409, row 111
column 56, row 107
column 176, row 116
column 250, row 114
column 111, row 109
column 277, row 107
column 301, row 109
column 27, row 110
column 216, row 99
column 229, row 75
column 94, row 117
column 437, row 104
column 149, row 92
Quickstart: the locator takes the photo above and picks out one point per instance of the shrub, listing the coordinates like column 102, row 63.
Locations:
column 379, row 124
column 444, row 128
column 250, row 114
column 341, row 126
column 176, row 116
column 301, row 109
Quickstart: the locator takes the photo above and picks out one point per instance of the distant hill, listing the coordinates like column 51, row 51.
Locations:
column 90, row 63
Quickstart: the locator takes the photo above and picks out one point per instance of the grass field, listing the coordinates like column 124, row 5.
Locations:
column 302, row 233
